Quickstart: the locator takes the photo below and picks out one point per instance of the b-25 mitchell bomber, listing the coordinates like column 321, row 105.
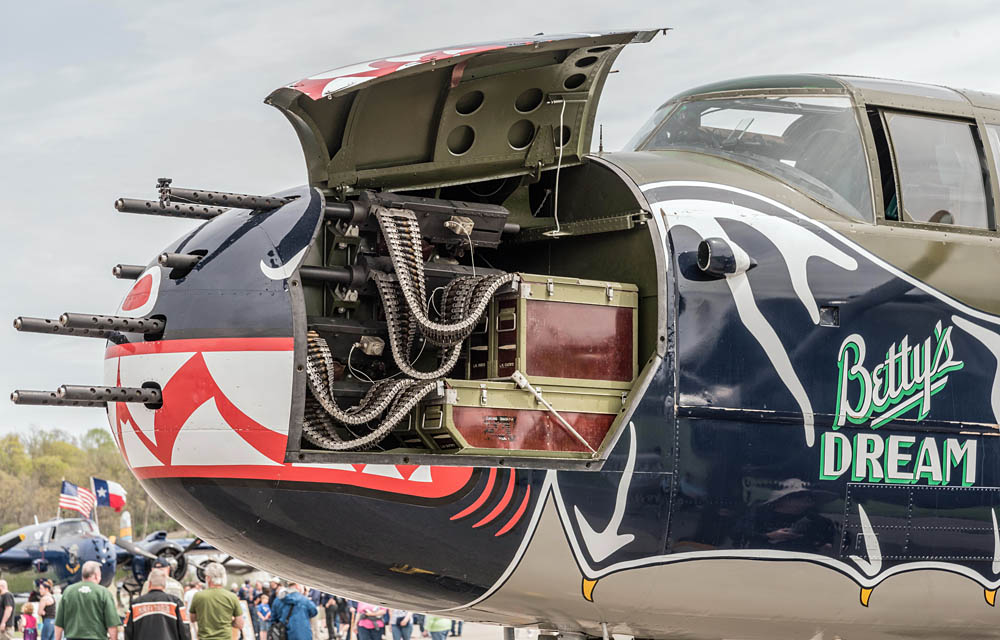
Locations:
column 738, row 380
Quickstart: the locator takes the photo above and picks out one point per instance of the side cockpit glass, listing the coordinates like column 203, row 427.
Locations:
column 811, row 142
column 940, row 171
column 993, row 132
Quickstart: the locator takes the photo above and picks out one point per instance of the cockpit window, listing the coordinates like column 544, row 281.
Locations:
column 940, row 170
column 810, row 142
column 73, row 528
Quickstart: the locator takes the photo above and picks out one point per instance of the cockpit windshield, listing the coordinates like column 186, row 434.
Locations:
column 810, row 142
column 73, row 528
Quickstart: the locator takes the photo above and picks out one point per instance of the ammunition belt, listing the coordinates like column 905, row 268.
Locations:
column 464, row 302
column 398, row 396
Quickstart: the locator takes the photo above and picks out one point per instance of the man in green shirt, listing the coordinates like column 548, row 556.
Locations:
column 216, row 611
column 87, row 610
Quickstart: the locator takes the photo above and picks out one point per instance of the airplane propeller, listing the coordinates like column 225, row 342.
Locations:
column 134, row 550
column 194, row 543
column 10, row 541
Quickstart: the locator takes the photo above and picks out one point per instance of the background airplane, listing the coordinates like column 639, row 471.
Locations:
column 56, row 549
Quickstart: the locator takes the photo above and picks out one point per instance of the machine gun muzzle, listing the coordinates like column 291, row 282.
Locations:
column 45, row 325
column 50, row 399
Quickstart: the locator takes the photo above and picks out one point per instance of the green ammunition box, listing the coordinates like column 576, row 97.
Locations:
column 491, row 418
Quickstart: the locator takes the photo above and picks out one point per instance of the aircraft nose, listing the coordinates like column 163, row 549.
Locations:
column 225, row 359
column 200, row 359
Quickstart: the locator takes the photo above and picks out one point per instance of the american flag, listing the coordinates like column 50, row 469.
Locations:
column 76, row 498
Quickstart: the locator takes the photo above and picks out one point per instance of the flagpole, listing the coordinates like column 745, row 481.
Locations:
column 94, row 491
column 60, row 493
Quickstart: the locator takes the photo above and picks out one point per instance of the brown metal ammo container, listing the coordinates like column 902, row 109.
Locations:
column 566, row 331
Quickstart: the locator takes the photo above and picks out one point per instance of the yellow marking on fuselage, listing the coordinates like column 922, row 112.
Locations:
column 866, row 594
column 588, row 589
column 991, row 596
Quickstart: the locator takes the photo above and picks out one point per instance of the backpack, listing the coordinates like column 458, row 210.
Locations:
column 279, row 628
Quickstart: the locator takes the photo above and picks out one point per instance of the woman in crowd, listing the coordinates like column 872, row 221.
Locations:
column 369, row 621
column 46, row 610
column 402, row 624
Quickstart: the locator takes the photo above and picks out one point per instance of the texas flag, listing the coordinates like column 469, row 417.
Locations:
column 109, row 494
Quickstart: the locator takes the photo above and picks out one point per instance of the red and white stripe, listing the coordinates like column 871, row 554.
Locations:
column 83, row 502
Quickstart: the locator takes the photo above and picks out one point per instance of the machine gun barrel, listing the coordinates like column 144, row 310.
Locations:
column 352, row 277
column 225, row 199
column 171, row 210
column 45, row 325
column 111, row 323
column 50, row 399
column 178, row 260
column 84, row 393
column 127, row 271
column 352, row 211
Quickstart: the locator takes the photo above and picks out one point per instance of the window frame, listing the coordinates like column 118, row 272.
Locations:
column 982, row 149
column 992, row 153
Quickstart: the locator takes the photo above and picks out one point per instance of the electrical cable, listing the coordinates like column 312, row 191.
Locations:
column 555, row 202
column 472, row 252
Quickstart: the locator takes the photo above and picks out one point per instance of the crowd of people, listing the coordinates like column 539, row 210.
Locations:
column 37, row 616
column 168, row 610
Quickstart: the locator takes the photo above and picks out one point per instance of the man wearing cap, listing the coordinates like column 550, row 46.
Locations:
column 87, row 610
column 174, row 587
column 157, row 615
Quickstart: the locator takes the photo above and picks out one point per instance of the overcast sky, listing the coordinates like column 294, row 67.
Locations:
column 97, row 100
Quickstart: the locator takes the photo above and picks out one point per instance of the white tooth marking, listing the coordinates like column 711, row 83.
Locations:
column 602, row 544
column 421, row 474
column 384, row 470
column 873, row 564
column 996, row 543
column 333, row 466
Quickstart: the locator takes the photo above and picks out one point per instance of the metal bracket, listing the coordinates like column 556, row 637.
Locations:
column 163, row 186
column 343, row 295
